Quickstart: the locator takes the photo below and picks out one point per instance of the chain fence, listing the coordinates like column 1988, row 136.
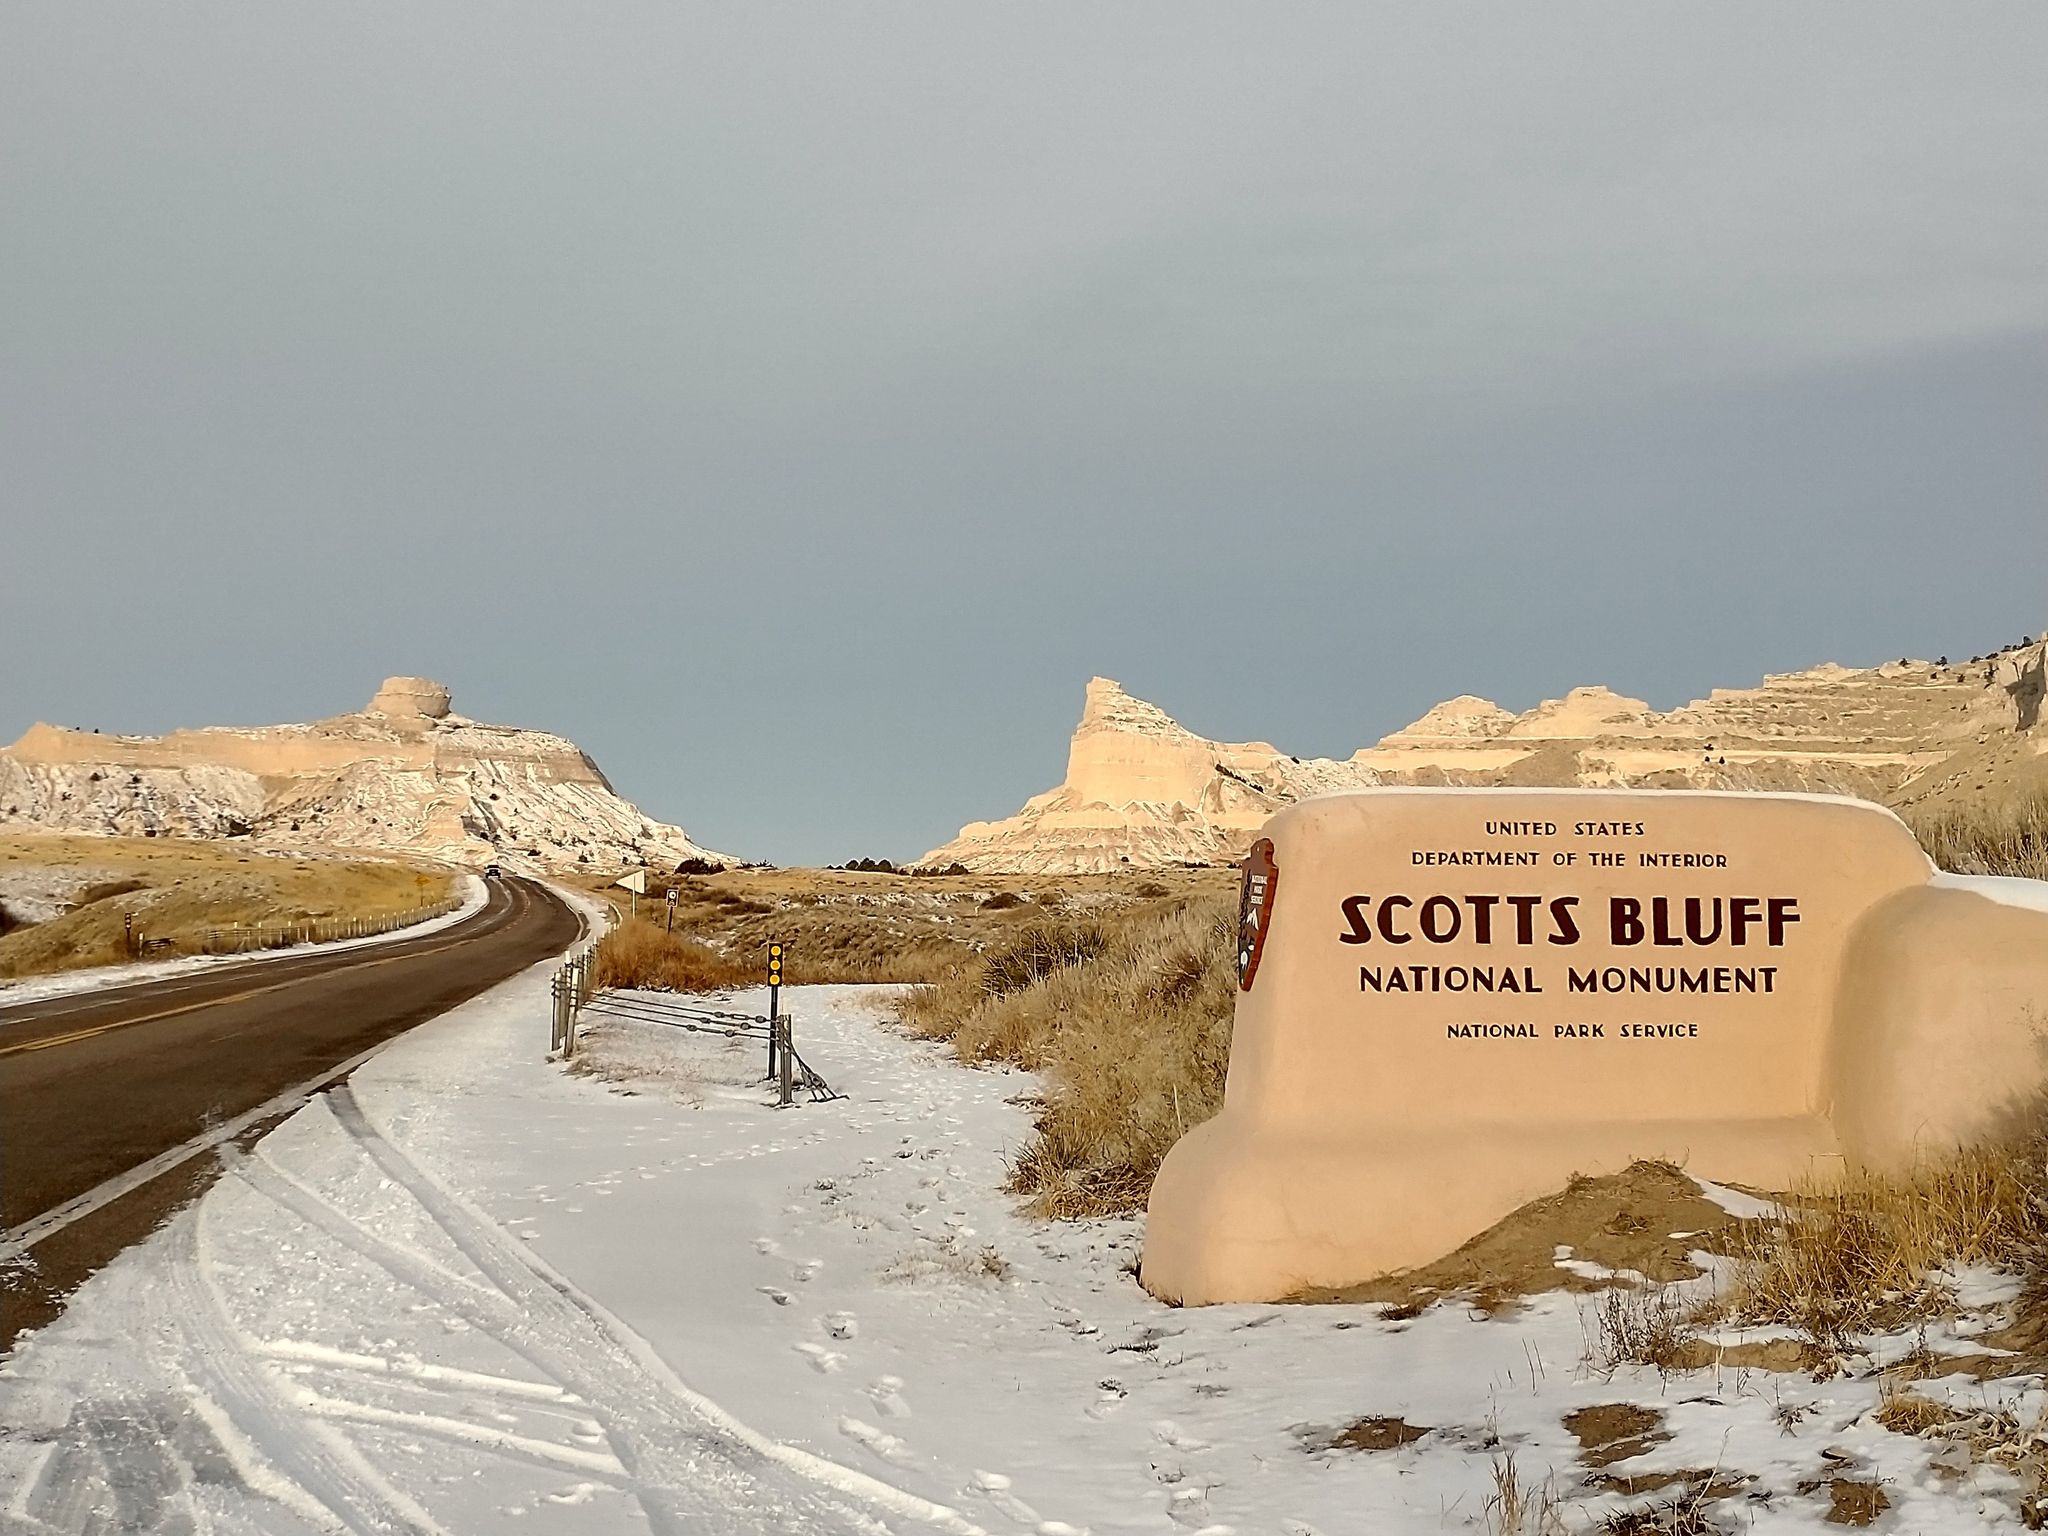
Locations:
column 576, row 994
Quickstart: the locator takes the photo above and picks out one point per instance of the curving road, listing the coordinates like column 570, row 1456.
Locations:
column 111, row 1102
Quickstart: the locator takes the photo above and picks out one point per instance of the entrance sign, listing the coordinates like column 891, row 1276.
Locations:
column 1458, row 998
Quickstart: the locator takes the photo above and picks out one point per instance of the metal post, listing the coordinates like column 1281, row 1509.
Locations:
column 788, row 1063
column 774, row 1000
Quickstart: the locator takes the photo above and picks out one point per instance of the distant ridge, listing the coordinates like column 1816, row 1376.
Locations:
column 1142, row 791
column 405, row 773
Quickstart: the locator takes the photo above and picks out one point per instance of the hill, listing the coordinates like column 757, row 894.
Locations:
column 1142, row 791
column 405, row 774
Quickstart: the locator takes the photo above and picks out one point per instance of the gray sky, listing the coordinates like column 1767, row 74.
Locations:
column 796, row 404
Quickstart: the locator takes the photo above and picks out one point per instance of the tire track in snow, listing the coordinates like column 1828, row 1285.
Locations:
column 315, row 1460
column 690, row 1465
column 539, row 1292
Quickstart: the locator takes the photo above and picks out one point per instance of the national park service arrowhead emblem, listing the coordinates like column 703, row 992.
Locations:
column 1255, row 909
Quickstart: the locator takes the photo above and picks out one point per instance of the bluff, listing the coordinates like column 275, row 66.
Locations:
column 1142, row 791
column 405, row 773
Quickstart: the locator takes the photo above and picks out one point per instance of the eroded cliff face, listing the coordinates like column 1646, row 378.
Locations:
column 406, row 774
column 1142, row 791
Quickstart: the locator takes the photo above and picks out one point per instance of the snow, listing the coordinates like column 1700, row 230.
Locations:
column 1743, row 1207
column 477, row 1293
column 475, row 894
column 2007, row 890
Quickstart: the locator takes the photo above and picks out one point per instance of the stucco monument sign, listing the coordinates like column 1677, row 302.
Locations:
column 1452, row 1000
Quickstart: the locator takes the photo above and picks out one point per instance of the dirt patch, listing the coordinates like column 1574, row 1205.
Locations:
column 1851, row 1501
column 1376, row 1434
column 1611, row 1432
column 1619, row 1221
column 1784, row 1356
column 1682, row 1516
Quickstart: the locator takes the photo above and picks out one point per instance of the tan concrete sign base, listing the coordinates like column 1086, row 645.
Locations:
column 1459, row 998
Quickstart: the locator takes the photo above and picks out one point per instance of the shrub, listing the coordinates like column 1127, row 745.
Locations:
column 644, row 956
column 1855, row 1254
column 1037, row 953
column 1131, row 1022
column 2009, row 839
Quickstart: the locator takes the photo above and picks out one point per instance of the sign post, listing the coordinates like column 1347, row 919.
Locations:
column 673, row 893
column 636, row 882
column 774, row 1002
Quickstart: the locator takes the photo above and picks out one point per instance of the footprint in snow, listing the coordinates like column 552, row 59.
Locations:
column 1190, row 1506
column 887, row 1392
column 995, row 1487
column 589, row 1432
column 767, row 1246
column 582, row 1493
column 807, row 1270
column 882, row 1443
column 1169, row 1433
column 780, row 1297
column 824, row 1360
column 841, row 1325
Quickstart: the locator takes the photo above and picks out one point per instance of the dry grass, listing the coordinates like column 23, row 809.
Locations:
column 870, row 926
column 1645, row 1325
column 1858, row 1255
column 1516, row 1510
column 177, row 890
column 1130, row 1018
column 1994, row 839
column 644, row 956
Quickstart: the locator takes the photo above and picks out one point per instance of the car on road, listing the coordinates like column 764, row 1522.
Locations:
column 492, row 872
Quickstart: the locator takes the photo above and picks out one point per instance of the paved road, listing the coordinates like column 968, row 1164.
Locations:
column 102, row 1087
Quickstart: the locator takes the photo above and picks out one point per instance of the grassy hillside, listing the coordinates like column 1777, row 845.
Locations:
column 177, row 890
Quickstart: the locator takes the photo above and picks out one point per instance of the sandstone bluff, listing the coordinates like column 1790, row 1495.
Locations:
column 405, row 774
column 1142, row 791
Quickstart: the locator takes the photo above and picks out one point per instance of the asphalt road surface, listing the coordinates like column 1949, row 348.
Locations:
column 111, row 1102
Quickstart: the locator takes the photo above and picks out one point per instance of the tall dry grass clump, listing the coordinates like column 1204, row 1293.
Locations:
column 1860, row 1254
column 1128, row 1017
column 648, row 958
column 2002, row 839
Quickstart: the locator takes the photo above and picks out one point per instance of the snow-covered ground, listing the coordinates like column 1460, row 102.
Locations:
column 475, row 1293
column 475, row 894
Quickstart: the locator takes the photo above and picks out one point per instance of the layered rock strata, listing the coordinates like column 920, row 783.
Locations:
column 405, row 774
column 1142, row 791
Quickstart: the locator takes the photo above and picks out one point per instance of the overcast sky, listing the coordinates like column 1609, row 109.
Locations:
column 795, row 405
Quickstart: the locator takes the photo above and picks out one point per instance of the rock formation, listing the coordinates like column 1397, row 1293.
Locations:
column 405, row 774
column 1143, row 792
